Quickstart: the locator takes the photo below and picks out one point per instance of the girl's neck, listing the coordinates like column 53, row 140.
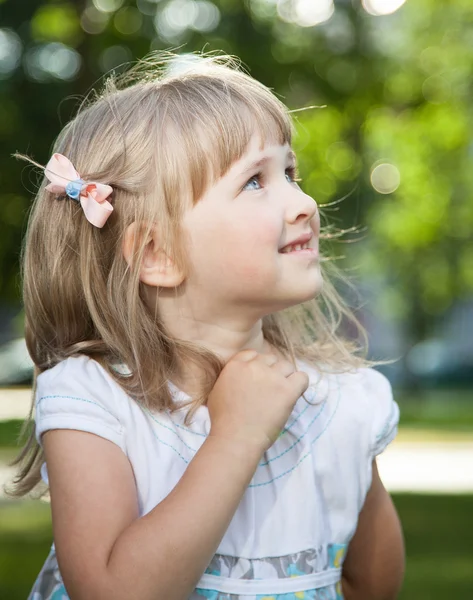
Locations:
column 190, row 381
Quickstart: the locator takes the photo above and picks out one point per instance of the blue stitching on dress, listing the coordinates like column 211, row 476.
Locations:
column 297, row 418
column 204, row 435
column 145, row 410
column 169, row 428
column 170, row 446
column 76, row 398
column 189, row 430
column 184, row 459
column 256, row 484
column 263, row 464
column 311, row 444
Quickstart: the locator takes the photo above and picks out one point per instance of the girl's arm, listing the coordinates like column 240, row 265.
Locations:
column 105, row 550
column 374, row 565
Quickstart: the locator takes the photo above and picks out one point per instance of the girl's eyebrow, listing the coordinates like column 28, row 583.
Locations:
column 256, row 164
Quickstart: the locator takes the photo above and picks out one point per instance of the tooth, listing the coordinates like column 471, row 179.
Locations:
column 294, row 248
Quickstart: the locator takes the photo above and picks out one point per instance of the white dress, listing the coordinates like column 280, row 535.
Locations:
column 289, row 535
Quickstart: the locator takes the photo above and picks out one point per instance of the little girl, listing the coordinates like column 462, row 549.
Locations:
column 203, row 428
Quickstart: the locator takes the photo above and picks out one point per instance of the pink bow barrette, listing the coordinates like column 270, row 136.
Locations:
column 92, row 196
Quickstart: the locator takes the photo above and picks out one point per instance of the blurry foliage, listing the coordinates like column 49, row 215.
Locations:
column 56, row 22
column 439, row 563
column 397, row 94
column 25, row 541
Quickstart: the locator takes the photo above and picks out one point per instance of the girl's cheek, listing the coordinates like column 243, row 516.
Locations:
column 264, row 225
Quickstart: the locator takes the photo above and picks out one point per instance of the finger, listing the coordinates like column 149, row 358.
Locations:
column 284, row 367
column 246, row 355
column 300, row 379
column 268, row 359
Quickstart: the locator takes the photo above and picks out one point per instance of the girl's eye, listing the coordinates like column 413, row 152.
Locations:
column 291, row 174
column 255, row 182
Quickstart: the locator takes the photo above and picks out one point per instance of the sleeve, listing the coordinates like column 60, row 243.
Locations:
column 79, row 394
column 383, row 409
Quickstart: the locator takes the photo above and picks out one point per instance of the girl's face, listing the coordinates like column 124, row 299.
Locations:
column 237, row 229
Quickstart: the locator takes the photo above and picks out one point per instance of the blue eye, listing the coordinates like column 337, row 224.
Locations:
column 253, row 180
column 256, row 182
column 291, row 175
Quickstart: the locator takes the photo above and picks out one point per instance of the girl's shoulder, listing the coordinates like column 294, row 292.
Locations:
column 78, row 393
column 77, row 376
column 361, row 403
column 77, row 366
column 363, row 384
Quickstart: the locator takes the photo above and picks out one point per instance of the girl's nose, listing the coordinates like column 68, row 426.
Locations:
column 301, row 207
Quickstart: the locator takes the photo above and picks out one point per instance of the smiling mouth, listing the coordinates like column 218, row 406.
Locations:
column 302, row 253
column 295, row 248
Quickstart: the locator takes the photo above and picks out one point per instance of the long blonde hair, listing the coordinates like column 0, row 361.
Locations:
column 142, row 136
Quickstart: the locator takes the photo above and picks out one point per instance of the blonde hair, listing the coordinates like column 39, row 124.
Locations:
column 141, row 136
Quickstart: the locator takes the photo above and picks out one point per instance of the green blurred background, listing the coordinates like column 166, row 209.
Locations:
column 388, row 151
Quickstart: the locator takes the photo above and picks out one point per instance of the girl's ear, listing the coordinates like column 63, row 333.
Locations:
column 157, row 268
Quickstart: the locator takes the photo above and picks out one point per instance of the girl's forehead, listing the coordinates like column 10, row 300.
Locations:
column 268, row 146
column 259, row 152
column 212, row 141
column 256, row 156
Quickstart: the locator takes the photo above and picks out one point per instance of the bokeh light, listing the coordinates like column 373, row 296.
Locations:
column 52, row 61
column 436, row 89
column 10, row 51
column 426, row 357
column 305, row 13
column 309, row 13
column 340, row 157
column 385, row 178
column 128, row 20
column 147, row 7
column 56, row 23
column 114, row 57
column 93, row 20
column 180, row 16
column 339, row 33
column 382, row 7
column 108, row 6
column 208, row 16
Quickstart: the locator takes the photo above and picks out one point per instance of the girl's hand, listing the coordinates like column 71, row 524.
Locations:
column 253, row 398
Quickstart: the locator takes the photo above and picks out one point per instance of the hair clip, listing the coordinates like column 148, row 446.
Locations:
column 92, row 196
